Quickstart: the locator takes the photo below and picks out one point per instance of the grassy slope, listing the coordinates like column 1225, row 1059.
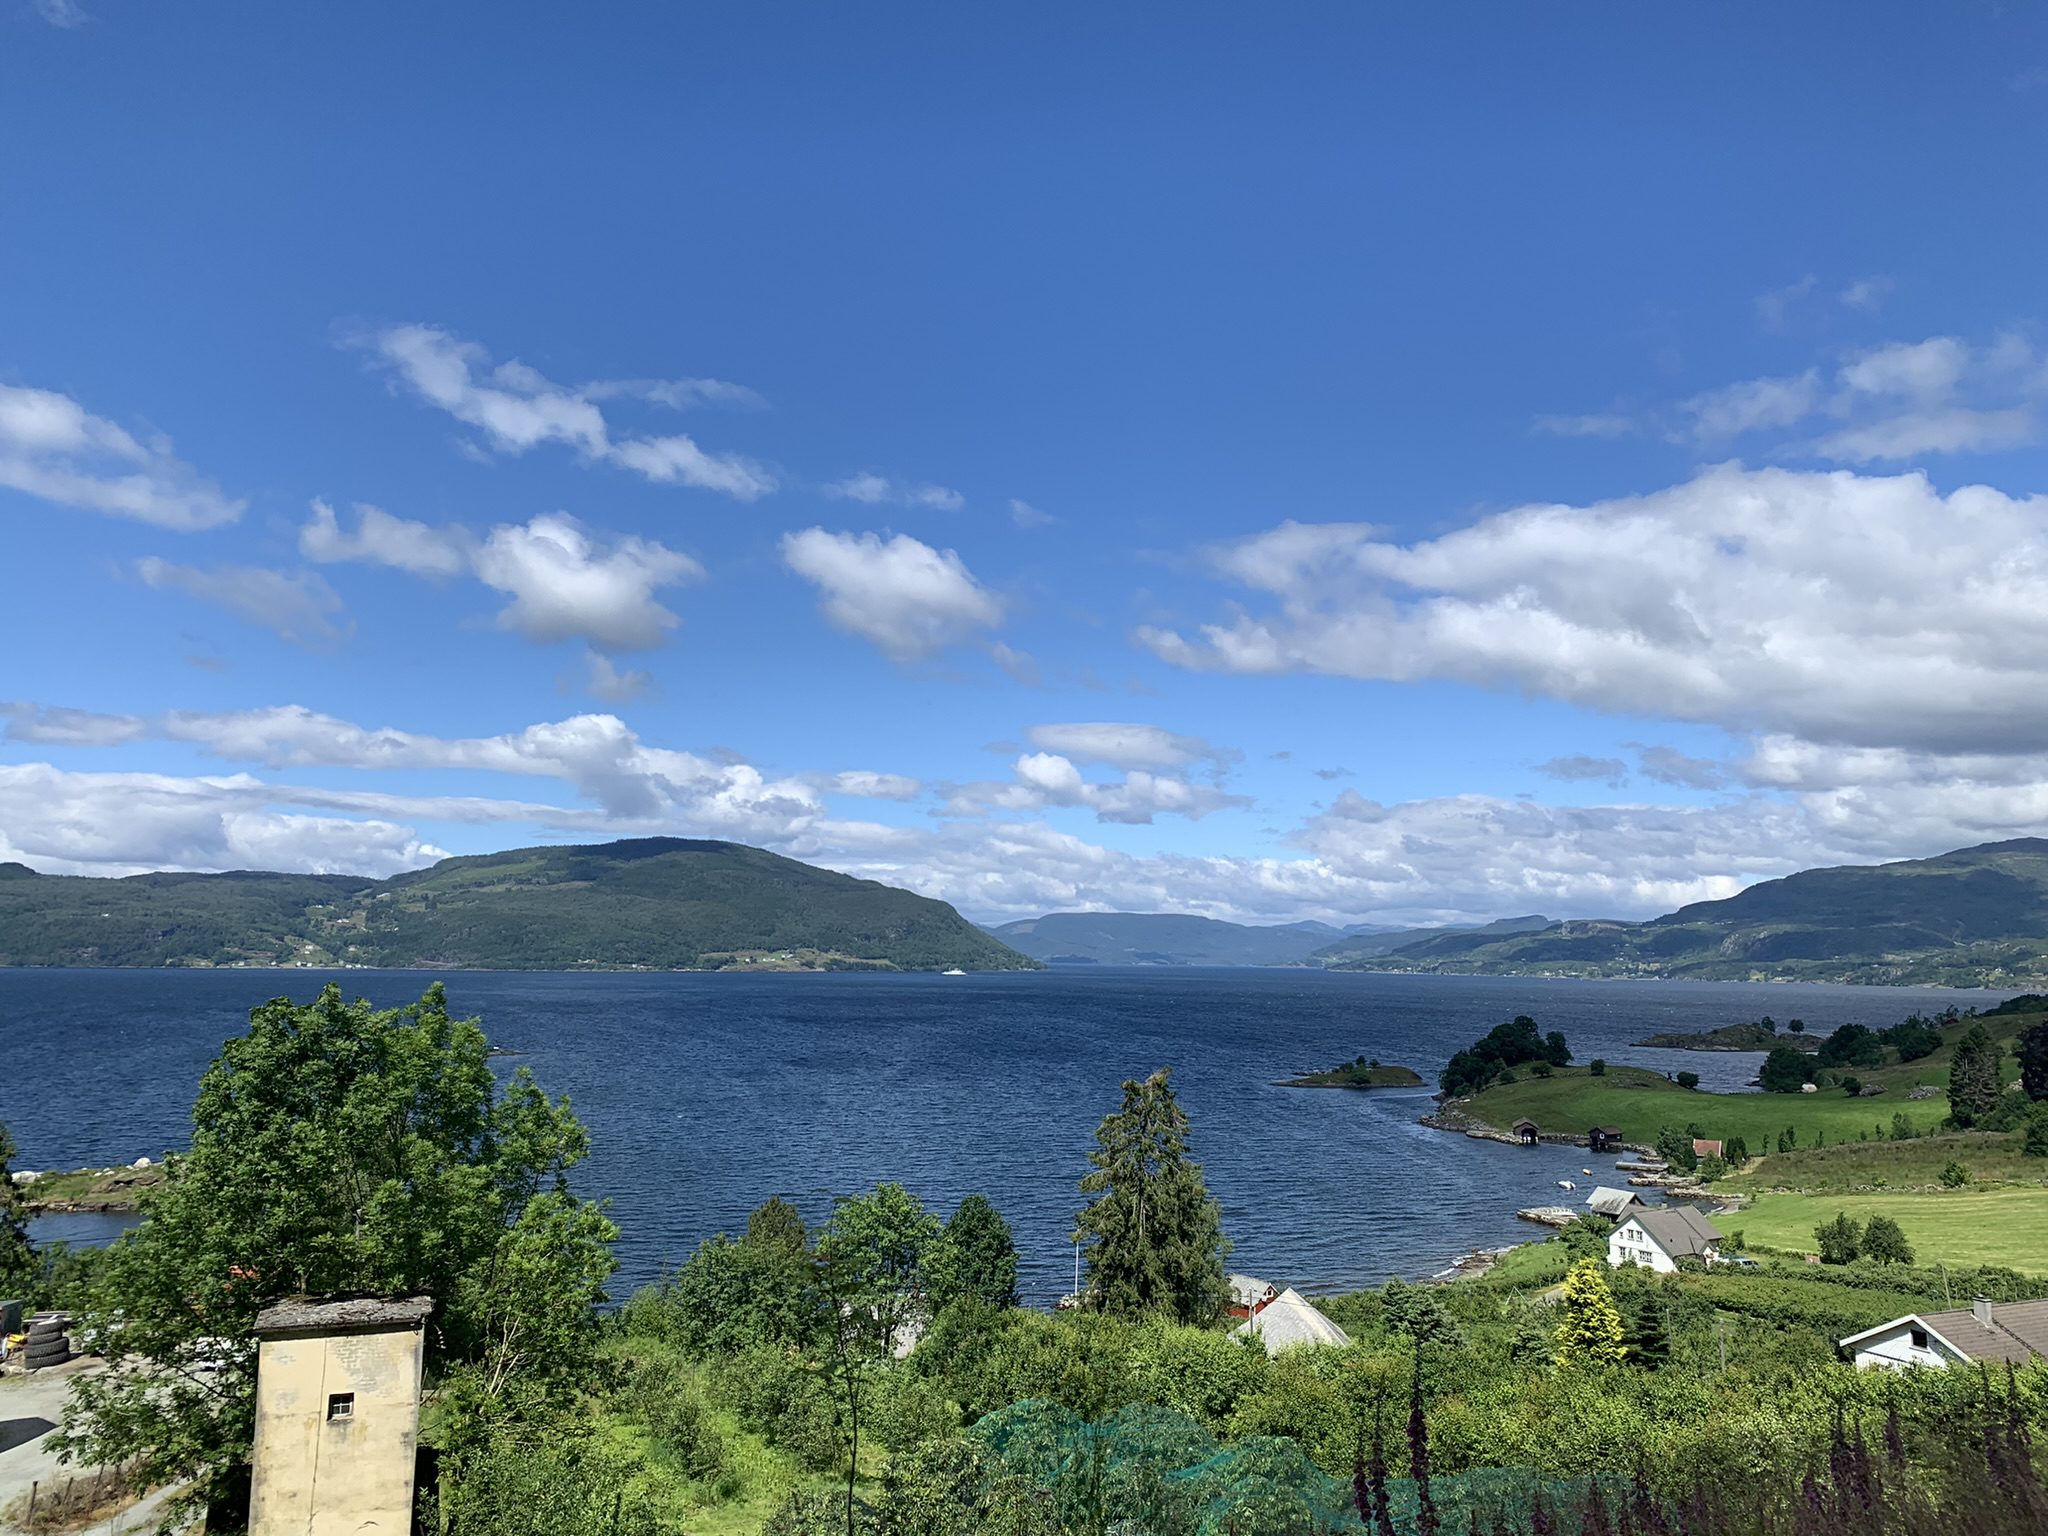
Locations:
column 1866, row 1167
column 2006, row 1226
column 1642, row 1102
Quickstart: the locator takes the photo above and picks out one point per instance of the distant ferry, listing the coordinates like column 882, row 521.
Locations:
column 956, row 971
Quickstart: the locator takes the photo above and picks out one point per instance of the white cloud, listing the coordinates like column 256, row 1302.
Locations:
column 876, row 490
column 564, row 581
column 1021, row 666
column 1122, row 745
column 70, row 727
column 1832, row 607
column 54, row 449
column 1047, row 779
column 62, row 13
column 908, row 599
column 1609, row 425
column 1919, row 368
column 1955, row 429
column 1668, row 765
column 1867, row 292
column 297, row 606
column 1774, row 307
column 676, row 394
column 381, row 539
column 603, row 679
column 1025, row 515
column 875, row 786
column 564, row 584
column 1752, row 406
column 516, row 408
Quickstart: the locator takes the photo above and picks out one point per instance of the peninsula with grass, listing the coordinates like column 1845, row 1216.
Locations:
column 1762, row 1035
column 1364, row 1072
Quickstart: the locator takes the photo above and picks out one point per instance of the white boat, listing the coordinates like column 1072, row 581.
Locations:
column 1566, row 1184
column 954, row 972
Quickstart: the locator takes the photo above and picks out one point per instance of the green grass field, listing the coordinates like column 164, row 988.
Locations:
column 2006, row 1226
column 1641, row 1103
column 1993, row 1157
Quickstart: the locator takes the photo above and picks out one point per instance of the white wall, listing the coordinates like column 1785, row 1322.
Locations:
column 1894, row 1350
column 1630, row 1244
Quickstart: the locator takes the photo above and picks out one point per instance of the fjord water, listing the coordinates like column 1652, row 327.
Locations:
column 705, row 1094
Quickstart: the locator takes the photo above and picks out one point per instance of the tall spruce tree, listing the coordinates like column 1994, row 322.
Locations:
column 1589, row 1329
column 1973, row 1085
column 2033, row 1054
column 1154, row 1236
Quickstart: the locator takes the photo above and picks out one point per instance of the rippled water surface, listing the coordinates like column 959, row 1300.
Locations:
column 705, row 1094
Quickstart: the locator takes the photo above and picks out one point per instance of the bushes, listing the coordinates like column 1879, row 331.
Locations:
column 772, row 1393
column 1840, row 1240
column 1688, row 1080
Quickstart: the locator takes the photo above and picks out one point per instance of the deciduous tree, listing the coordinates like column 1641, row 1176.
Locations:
column 975, row 1256
column 339, row 1149
column 1884, row 1242
column 1154, row 1236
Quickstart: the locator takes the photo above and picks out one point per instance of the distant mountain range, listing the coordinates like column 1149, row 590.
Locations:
column 661, row 903
column 1167, row 938
column 1975, row 917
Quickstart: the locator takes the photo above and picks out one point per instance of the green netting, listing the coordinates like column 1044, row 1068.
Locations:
column 1149, row 1471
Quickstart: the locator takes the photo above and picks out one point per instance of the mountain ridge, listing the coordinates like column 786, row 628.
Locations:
column 639, row 903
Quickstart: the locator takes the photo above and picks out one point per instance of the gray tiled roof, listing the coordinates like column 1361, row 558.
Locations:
column 2018, row 1331
column 1678, row 1229
column 311, row 1315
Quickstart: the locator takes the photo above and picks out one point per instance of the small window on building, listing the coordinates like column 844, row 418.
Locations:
column 1919, row 1338
column 340, row 1405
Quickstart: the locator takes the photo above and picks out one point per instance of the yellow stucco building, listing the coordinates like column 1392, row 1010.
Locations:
column 337, row 1417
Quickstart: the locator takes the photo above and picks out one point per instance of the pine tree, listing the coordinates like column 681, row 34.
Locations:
column 1973, row 1085
column 1590, row 1331
column 1154, row 1234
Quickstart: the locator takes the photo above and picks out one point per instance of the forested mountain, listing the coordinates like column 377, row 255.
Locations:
column 1974, row 917
column 662, row 903
column 1368, row 945
column 1160, row 938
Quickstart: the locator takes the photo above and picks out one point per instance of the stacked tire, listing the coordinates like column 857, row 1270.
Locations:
column 49, row 1341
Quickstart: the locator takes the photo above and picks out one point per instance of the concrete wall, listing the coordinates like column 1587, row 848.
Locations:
column 314, row 1475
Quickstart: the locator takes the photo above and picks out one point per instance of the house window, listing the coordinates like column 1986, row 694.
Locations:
column 1919, row 1338
column 340, row 1405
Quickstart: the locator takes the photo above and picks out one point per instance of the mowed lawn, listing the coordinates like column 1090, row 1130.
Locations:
column 2008, row 1227
column 1641, row 1103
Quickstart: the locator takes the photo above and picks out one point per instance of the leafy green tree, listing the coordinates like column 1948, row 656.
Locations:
column 1973, row 1086
column 975, row 1256
column 1688, row 1080
column 341, row 1149
column 1955, row 1175
column 1797, row 1026
column 1589, row 1329
column 1785, row 1070
column 1154, row 1235
column 1597, row 1066
column 876, row 1245
column 1853, row 1045
column 1884, row 1242
column 2032, row 1051
column 1840, row 1240
column 1675, row 1147
column 18, row 1267
column 1914, row 1040
column 2035, row 1142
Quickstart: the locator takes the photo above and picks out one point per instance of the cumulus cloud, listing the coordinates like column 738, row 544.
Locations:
column 878, row 490
column 298, row 606
column 565, row 581
column 1751, row 406
column 875, row 786
column 603, row 679
column 1832, row 607
column 564, row 584
column 54, row 449
column 1041, row 780
column 905, row 597
column 516, row 408
column 1121, row 744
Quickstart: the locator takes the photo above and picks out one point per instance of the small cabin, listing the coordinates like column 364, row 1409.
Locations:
column 1525, row 1131
column 1702, row 1147
column 1604, row 1138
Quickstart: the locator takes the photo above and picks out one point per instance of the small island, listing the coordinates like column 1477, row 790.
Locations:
column 1763, row 1035
column 1360, row 1073
column 88, row 1189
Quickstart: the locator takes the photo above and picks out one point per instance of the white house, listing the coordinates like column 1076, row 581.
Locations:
column 1658, row 1237
column 2014, row 1331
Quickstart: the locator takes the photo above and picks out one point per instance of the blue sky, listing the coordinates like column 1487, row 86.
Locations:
column 1353, row 462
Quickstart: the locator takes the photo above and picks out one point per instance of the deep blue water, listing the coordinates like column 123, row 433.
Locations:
column 705, row 1094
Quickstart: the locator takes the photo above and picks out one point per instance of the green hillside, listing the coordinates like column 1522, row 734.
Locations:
column 657, row 903
column 1975, row 917
column 1341, row 955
